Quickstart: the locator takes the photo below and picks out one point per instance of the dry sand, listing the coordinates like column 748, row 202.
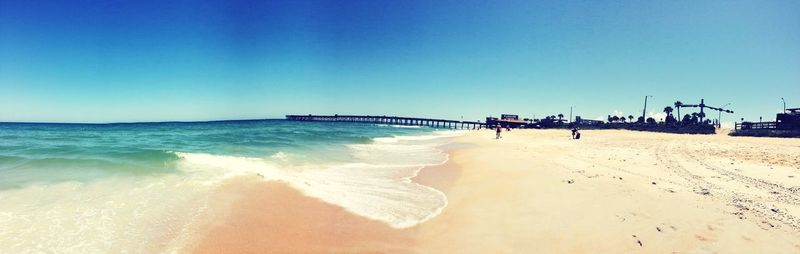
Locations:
column 538, row 191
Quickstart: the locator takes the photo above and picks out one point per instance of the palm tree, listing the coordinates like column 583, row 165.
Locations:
column 630, row 118
column 615, row 118
column 560, row 116
column 686, row 119
column 678, row 105
column 668, row 111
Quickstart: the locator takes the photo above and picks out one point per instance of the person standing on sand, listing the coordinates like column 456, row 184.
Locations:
column 574, row 130
column 499, row 129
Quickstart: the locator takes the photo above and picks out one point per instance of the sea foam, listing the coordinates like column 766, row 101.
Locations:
column 142, row 215
column 376, row 185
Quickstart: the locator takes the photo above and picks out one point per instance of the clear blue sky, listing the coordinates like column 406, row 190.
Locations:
column 109, row 61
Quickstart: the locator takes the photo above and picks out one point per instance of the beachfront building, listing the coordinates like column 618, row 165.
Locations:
column 506, row 120
column 587, row 122
column 789, row 119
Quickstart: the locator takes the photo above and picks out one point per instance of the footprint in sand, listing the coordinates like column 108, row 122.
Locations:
column 637, row 240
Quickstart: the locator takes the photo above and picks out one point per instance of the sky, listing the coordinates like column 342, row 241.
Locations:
column 125, row 61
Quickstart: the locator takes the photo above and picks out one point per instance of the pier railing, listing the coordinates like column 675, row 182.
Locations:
column 755, row 125
column 392, row 120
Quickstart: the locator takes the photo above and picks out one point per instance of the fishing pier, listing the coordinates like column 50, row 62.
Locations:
column 392, row 120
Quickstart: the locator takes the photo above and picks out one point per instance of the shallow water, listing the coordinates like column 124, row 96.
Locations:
column 140, row 187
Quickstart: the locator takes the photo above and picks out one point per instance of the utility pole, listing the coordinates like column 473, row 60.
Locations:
column 644, row 111
column 702, row 106
column 570, row 114
column 784, row 105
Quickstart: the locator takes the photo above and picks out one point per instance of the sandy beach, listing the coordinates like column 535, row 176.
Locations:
column 538, row 191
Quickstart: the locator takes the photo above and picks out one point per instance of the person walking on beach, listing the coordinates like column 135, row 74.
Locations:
column 576, row 134
column 499, row 129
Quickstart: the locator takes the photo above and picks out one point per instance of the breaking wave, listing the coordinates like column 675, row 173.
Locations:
column 377, row 185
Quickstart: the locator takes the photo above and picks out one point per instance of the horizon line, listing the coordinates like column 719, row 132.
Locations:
column 145, row 122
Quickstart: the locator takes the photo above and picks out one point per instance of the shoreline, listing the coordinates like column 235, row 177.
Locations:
column 274, row 217
column 610, row 192
column 304, row 224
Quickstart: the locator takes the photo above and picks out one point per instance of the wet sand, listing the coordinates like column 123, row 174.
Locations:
column 539, row 191
column 274, row 218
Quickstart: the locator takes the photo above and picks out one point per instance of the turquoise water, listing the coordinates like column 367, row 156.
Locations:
column 148, row 187
column 36, row 153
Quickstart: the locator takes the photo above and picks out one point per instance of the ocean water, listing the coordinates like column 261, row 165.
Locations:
column 141, row 188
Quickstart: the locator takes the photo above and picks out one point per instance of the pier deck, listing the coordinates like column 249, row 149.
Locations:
column 395, row 120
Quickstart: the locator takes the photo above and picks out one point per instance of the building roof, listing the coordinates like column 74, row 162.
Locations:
column 511, row 121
